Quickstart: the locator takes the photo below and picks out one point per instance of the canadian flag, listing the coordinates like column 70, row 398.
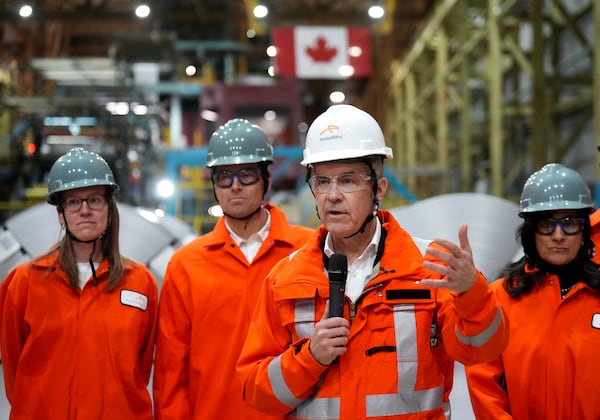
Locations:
column 322, row 52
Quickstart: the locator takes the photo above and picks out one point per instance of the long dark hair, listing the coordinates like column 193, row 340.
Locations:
column 530, row 271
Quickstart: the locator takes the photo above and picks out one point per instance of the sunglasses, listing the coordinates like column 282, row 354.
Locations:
column 569, row 225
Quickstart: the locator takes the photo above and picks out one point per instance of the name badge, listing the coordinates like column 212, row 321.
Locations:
column 596, row 321
column 135, row 299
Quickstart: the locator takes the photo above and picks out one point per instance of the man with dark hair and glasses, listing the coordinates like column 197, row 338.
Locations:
column 549, row 370
column 404, row 317
column 211, row 285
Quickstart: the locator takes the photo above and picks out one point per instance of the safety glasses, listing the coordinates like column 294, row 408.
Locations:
column 569, row 225
column 245, row 176
column 346, row 183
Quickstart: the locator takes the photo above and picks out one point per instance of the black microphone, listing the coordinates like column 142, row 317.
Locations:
column 338, row 272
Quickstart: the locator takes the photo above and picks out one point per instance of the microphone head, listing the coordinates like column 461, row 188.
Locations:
column 338, row 268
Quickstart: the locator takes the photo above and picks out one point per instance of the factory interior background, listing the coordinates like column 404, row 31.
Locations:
column 473, row 96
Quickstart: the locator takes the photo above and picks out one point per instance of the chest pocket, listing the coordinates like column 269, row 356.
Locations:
column 403, row 325
column 298, row 308
column 400, row 328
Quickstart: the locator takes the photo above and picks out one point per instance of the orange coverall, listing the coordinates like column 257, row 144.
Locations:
column 207, row 297
column 549, row 371
column 70, row 354
column 402, row 343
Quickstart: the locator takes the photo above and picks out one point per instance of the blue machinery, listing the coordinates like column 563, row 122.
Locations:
column 196, row 157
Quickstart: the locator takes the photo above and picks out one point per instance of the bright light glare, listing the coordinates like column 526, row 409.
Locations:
column 336, row 97
column 190, row 70
column 354, row 51
column 209, row 115
column 270, row 115
column 250, row 33
column 271, row 71
column 376, row 12
column 25, row 11
column 260, row 11
column 148, row 215
column 346, row 70
column 122, row 108
column 142, row 11
column 117, row 108
column 215, row 211
column 140, row 109
column 165, row 188
column 271, row 51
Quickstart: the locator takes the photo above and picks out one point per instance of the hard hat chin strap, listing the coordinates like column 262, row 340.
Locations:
column 372, row 215
column 245, row 218
column 92, row 241
column 91, row 256
column 368, row 219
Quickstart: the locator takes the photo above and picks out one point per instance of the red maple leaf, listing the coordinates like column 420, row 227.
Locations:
column 320, row 51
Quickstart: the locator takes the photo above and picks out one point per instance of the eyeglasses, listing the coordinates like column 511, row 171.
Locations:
column 246, row 176
column 347, row 183
column 569, row 225
column 95, row 202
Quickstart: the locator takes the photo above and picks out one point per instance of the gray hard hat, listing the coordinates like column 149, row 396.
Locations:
column 555, row 187
column 78, row 168
column 238, row 141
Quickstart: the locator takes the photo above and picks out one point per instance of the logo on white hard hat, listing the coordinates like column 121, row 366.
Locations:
column 329, row 133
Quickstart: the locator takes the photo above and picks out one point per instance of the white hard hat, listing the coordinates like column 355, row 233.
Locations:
column 344, row 132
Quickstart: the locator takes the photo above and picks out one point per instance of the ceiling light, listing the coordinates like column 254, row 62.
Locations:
column 336, row 97
column 140, row 109
column 25, row 11
column 270, row 115
column 346, row 70
column 142, row 11
column 165, row 188
column 355, row 51
column 271, row 51
column 376, row 12
column 190, row 70
column 260, row 11
column 209, row 115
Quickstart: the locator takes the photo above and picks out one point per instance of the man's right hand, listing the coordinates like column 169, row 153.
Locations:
column 330, row 338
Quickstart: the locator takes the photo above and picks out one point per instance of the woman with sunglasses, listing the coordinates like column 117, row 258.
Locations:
column 549, row 370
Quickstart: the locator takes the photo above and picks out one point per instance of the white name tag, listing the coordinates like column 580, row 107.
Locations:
column 135, row 299
column 596, row 321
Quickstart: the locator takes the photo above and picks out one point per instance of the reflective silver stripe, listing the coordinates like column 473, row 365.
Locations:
column 318, row 408
column 484, row 336
column 405, row 329
column 312, row 408
column 447, row 410
column 304, row 324
column 407, row 400
column 280, row 388
column 304, row 317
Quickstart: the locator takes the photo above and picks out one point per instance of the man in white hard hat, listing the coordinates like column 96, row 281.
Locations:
column 404, row 320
